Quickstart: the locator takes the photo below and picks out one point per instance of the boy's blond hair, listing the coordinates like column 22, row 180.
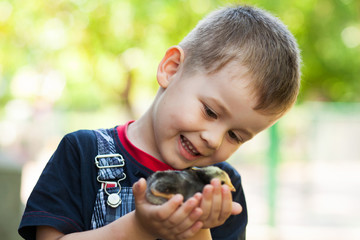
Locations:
column 255, row 39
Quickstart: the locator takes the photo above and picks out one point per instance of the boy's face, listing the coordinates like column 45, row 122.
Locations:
column 202, row 119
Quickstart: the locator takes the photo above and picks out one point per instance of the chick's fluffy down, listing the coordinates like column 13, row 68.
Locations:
column 162, row 185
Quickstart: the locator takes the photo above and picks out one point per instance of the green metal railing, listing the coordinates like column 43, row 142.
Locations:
column 272, row 172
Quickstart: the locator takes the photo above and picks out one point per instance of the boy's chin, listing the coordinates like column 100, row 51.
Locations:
column 179, row 165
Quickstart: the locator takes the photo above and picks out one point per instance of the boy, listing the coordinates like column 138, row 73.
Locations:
column 233, row 76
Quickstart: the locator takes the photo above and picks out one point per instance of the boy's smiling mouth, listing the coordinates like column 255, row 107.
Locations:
column 187, row 145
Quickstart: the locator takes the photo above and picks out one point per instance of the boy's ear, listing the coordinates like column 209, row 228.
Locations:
column 169, row 65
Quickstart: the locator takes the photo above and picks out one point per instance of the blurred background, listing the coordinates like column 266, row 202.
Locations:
column 74, row 64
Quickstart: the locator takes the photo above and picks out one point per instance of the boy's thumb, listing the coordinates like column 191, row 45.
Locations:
column 139, row 189
column 236, row 208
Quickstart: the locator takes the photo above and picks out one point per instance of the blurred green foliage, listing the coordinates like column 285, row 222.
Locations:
column 85, row 54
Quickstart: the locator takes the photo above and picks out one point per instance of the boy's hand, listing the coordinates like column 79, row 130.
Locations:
column 217, row 204
column 172, row 220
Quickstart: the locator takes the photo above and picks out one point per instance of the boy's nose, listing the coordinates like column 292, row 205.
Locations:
column 213, row 137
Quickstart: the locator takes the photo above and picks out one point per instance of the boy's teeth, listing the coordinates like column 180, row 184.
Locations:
column 188, row 146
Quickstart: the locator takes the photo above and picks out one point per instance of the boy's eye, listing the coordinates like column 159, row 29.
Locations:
column 210, row 112
column 233, row 136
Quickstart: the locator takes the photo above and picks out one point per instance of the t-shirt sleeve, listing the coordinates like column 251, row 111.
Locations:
column 57, row 199
column 234, row 227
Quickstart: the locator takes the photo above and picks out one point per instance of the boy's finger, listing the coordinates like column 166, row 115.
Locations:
column 226, row 203
column 236, row 208
column 169, row 207
column 188, row 222
column 206, row 201
column 217, row 199
column 139, row 190
column 182, row 213
column 191, row 231
column 198, row 196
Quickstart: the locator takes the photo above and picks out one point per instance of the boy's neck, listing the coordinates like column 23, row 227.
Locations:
column 140, row 134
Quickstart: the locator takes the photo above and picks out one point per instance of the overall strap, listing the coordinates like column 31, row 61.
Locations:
column 109, row 204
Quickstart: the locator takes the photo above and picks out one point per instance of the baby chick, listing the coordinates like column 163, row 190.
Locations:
column 162, row 185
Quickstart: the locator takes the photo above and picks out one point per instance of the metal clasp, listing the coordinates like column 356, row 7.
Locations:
column 122, row 162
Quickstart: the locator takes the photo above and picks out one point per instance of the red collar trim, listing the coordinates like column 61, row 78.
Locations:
column 139, row 155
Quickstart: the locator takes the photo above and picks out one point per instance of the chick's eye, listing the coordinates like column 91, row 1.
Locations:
column 210, row 113
column 235, row 137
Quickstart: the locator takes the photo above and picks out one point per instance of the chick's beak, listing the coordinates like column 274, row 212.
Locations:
column 232, row 188
column 227, row 181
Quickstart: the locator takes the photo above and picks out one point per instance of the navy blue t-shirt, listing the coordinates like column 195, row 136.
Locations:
column 65, row 193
